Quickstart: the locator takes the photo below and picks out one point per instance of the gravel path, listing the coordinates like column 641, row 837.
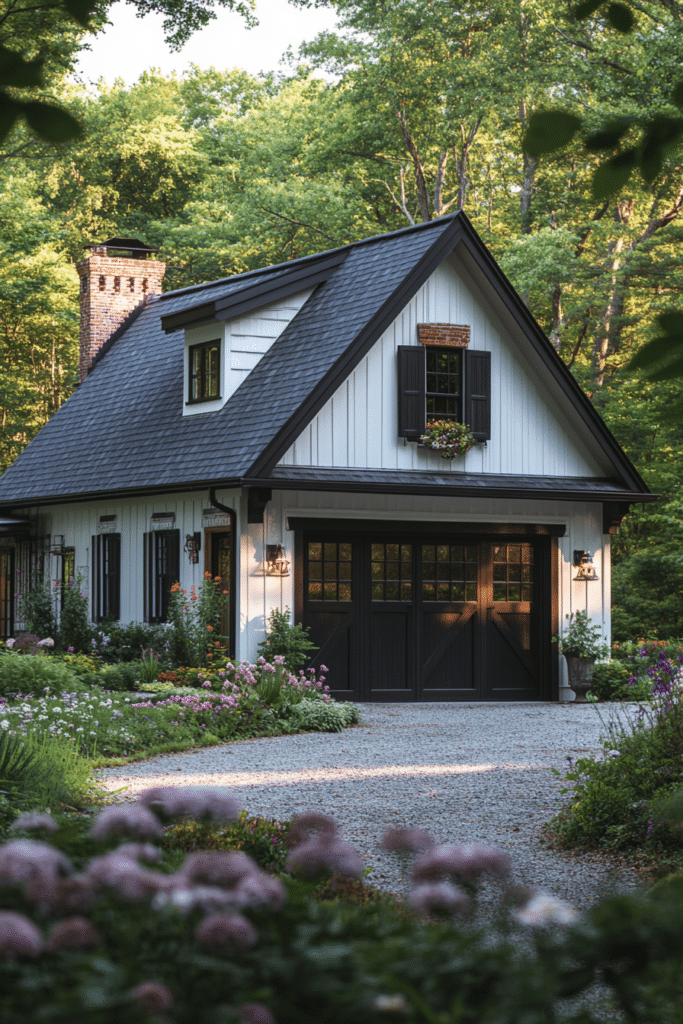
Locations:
column 464, row 772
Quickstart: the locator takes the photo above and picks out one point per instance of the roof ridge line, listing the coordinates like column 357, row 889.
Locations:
column 313, row 257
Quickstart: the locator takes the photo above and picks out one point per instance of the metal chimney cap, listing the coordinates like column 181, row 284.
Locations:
column 129, row 246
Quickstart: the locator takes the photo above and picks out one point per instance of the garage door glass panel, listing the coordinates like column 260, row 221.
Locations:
column 391, row 572
column 449, row 572
column 329, row 568
column 513, row 569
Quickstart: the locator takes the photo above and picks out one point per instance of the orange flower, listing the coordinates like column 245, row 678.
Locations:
column 210, row 629
column 225, row 593
column 207, row 575
column 175, row 588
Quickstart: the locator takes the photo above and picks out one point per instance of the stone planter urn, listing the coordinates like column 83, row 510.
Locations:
column 580, row 672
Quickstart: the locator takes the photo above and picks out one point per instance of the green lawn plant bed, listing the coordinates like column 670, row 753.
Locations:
column 217, row 940
column 632, row 797
column 233, row 702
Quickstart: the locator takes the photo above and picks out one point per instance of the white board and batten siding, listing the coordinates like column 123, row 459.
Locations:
column 77, row 523
column 243, row 342
column 531, row 430
column 261, row 593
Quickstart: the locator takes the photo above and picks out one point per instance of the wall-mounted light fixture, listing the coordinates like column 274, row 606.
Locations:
column 276, row 563
column 193, row 545
column 58, row 544
column 583, row 560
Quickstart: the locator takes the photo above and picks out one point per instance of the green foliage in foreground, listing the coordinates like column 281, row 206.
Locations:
column 262, row 839
column 614, row 802
column 337, row 963
column 37, row 772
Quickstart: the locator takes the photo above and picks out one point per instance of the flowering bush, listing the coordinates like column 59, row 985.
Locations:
column 611, row 802
column 448, row 438
column 195, row 620
column 219, row 940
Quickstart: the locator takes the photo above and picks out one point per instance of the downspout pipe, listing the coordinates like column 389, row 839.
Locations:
column 233, row 524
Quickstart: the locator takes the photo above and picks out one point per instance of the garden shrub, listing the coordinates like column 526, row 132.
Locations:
column 125, row 676
column 316, row 716
column 613, row 801
column 75, row 628
column 611, row 682
column 143, row 944
column 39, row 772
column 283, row 640
column 194, row 619
column 36, row 608
column 116, row 642
column 26, row 674
column 263, row 839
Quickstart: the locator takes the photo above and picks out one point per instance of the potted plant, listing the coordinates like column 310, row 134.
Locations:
column 448, row 438
column 581, row 645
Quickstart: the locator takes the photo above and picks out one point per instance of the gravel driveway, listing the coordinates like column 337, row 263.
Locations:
column 465, row 772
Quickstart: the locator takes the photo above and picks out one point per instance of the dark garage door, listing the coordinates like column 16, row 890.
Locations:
column 414, row 616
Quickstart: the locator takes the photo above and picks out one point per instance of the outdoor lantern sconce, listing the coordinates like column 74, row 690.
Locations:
column 583, row 560
column 193, row 545
column 58, row 544
column 277, row 564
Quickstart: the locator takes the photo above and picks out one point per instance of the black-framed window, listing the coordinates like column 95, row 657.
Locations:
column 68, row 573
column 162, row 569
column 444, row 384
column 205, row 372
column 440, row 383
column 106, row 576
column 7, row 585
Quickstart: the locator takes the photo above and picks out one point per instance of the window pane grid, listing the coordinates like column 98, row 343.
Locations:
column 205, row 371
column 444, row 383
column 449, row 572
column 513, row 572
column 391, row 571
column 329, row 571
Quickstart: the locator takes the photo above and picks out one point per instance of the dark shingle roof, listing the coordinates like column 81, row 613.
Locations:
column 123, row 428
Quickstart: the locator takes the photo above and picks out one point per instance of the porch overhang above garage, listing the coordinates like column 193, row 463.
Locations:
column 14, row 527
column 361, row 481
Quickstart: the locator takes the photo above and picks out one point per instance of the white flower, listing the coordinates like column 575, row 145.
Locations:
column 542, row 910
column 4, row 724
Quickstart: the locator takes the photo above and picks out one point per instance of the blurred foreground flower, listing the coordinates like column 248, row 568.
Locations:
column 542, row 910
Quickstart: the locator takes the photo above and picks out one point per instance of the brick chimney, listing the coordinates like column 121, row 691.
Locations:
column 116, row 277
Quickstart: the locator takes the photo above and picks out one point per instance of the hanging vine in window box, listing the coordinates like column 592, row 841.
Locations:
column 448, row 438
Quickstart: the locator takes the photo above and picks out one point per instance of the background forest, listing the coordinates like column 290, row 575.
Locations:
column 420, row 110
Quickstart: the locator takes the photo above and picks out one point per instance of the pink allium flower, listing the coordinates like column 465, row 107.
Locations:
column 140, row 851
column 126, row 877
column 396, row 840
column 255, row 1013
column 154, row 997
column 212, row 804
column 208, row 898
column 231, row 930
column 32, row 820
column 324, row 855
column 312, row 823
column 73, row 933
column 438, row 898
column 467, row 862
column 261, row 891
column 134, row 820
column 225, row 868
column 19, row 937
column 23, row 859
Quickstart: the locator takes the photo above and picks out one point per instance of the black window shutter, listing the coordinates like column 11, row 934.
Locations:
column 172, row 568
column 113, row 542
column 148, row 575
column 96, row 577
column 478, row 393
column 411, row 391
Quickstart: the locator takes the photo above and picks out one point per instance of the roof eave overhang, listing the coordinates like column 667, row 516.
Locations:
column 123, row 492
column 253, row 296
column 455, row 489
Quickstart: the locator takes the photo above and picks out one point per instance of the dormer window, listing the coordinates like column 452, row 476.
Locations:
column 205, row 371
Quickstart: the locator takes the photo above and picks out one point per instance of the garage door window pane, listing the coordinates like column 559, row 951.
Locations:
column 513, row 573
column 391, row 570
column 449, row 573
column 329, row 568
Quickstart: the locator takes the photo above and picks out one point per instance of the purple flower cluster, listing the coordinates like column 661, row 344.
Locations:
column 318, row 850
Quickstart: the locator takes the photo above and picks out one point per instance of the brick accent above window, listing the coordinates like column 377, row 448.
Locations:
column 453, row 335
